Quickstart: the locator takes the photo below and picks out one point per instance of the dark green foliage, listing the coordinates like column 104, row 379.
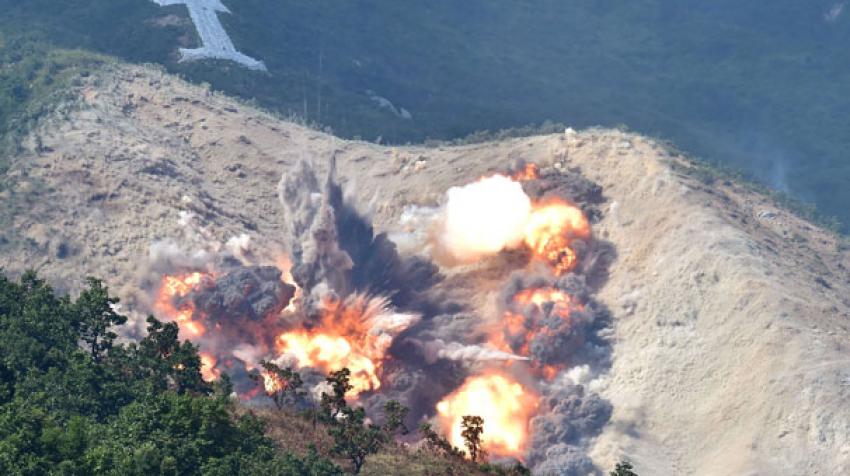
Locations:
column 334, row 403
column 287, row 390
column 623, row 468
column 354, row 439
column 168, row 363
column 762, row 89
column 439, row 444
column 74, row 402
column 473, row 428
column 94, row 316
column 394, row 414
column 517, row 469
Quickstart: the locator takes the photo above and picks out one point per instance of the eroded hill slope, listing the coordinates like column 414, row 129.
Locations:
column 730, row 315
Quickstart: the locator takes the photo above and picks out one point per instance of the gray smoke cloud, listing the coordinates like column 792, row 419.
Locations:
column 567, row 335
column 246, row 293
column 570, row 416
column 434, row 343
column 319, row 264
column 439, row 349
column 334, row 248
column 564, row 332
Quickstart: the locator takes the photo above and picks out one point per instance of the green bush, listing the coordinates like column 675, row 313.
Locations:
column 73, row 402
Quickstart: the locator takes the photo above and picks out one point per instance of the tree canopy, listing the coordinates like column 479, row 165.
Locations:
column 72, row 401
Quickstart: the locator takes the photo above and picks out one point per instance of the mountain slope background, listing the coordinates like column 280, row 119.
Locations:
column 760, row 87
column 729, row 313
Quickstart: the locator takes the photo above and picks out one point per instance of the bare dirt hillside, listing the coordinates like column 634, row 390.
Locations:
column 730, row 314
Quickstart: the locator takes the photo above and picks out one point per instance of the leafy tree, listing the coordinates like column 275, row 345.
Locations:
column 287, row 384
column 93, row 317
column 439, row 444
column 473, row 428
column 72, row 401
column 623, row 468
column 354, row 439
column 394, row 414
column 333, row 404
column 34, row 326
column 167, row 362
column 177, row 434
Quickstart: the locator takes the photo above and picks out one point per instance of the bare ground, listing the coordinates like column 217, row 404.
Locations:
column 730, row 314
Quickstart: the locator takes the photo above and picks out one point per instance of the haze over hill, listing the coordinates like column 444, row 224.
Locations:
column 759, row 86
column 728, row 313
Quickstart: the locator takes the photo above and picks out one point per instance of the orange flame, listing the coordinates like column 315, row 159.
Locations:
column 530, row 172
column 271, row 383
column 518, row 329
column 539, row 297
column 173, row 287
column 209, row 372
column 504, row 404
column 550, row 231
column 494, row 213
column 331, row 353
column 284, row 264
column 354, row 333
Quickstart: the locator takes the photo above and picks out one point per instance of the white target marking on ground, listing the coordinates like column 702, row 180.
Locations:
column 215, row 43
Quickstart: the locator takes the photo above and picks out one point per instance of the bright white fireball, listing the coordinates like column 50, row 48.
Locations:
column 484, row 217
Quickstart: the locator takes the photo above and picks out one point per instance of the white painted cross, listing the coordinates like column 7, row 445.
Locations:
column 215, row 43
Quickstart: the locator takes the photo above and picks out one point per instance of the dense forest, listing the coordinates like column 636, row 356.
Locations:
column 760, row 88
column 72, row 401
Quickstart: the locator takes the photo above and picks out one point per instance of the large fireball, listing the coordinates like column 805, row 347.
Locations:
column 354, row 333
column 484, row 217
column 550, row 231
column 172, row 289
column 505, row 405
column 494, row 214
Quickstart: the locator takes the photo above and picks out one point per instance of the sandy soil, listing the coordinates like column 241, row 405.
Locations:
column 730, row 314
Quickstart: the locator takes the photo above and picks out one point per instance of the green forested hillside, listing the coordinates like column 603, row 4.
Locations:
column 761, row 86
column 73, row 402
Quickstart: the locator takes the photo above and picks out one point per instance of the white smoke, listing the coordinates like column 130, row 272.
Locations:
column 240, row 248
column 439, row 349
column 168, row 254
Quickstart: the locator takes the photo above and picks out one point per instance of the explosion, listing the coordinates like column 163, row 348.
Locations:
column 519, row 328
column 535, row 314
column 494, row 214
column 354, row 333
column 209, row 372
column 173, row 289
column 559, row 300
column 529, row 171
column 505, row 405
column 343, row 297
column 550, row 231
column 484, row 217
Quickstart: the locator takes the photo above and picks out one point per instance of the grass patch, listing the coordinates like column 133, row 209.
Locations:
column 34, row 78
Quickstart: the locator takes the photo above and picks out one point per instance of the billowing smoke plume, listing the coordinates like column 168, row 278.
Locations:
column 335, row 249
column 553, row 319
column 568, row 417
column 246, row 294
column 522, row 360
column 320, row 265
